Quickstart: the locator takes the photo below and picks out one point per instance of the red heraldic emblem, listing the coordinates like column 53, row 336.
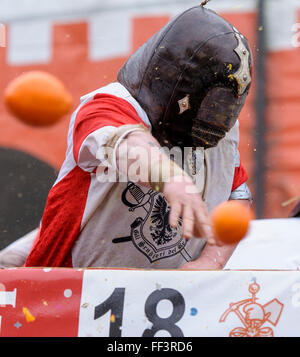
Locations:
column 254, row 315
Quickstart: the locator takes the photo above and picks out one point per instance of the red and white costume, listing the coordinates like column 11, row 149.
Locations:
column 88, row 223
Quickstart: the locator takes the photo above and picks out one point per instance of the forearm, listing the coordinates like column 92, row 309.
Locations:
column 215, row 256
column 134, row 156
column 141, row 158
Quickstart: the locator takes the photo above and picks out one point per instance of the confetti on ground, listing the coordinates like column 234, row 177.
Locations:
column 68, row 293
column 112, row 318
column 28, row 315
column 17, row 324
column 158, row 286
column 194, row 311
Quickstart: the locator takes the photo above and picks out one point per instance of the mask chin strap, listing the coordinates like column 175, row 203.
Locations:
column 205, row 136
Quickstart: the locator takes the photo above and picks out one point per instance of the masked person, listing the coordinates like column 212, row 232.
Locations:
column 184, row 88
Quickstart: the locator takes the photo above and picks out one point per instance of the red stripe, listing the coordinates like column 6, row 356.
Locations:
column 240, row 177
column 61, row 221
column 103, row 110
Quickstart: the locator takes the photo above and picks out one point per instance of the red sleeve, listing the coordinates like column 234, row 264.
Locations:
column 102, row 110
column 240, row 177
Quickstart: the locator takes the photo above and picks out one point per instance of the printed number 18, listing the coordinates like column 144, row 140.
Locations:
column 115, row 304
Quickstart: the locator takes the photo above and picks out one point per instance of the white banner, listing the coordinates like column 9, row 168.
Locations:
column 190, row 303
column 255, row 301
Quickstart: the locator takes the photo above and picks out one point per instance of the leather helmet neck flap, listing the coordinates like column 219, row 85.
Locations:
column 191, row 78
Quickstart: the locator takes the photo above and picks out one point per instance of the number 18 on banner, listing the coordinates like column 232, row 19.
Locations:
column 156, row 304
column 111, row 308
column 115, row 305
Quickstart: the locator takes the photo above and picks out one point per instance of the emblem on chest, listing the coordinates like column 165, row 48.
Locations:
column 151, row 232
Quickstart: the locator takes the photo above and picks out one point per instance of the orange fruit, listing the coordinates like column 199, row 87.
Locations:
column 231, row 221
column 37, row 98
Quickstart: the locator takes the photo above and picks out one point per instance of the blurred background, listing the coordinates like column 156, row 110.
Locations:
column 84, row 43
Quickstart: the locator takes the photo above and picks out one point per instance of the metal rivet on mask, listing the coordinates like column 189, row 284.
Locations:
column 245, row 78
column 184, row 104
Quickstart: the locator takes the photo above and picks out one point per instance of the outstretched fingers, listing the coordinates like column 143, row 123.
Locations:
column 175, row 213
column 188, row 222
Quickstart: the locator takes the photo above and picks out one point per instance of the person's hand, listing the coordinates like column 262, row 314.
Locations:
column 186, row 202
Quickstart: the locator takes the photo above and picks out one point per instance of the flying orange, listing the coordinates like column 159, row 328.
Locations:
column 38, row 98
column 231, row 221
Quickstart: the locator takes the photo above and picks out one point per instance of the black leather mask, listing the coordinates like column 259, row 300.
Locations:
column 191, row 78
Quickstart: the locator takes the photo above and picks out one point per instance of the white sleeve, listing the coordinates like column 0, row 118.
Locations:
column 15, row 254
column 89, row 155
column 241, row 193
